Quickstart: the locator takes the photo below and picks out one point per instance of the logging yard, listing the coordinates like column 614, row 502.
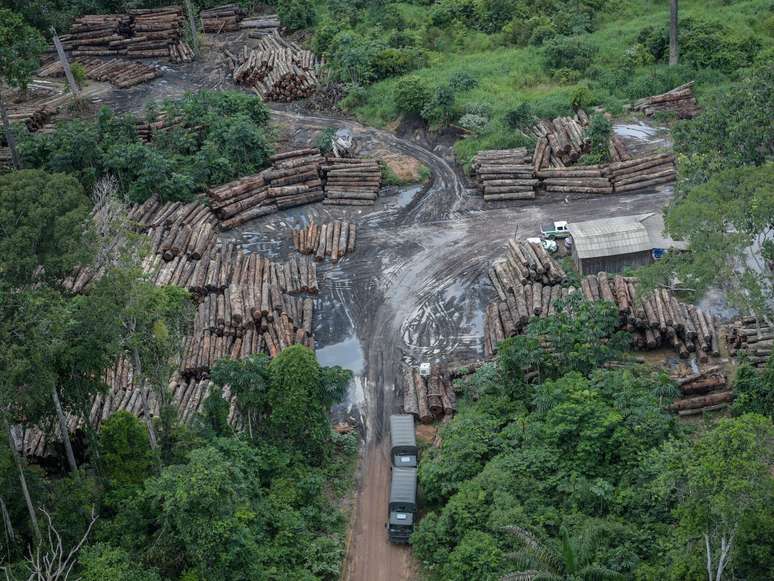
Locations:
column 411, row 256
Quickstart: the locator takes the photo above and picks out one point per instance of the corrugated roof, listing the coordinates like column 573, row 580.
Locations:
column 610, row 236
column 654, row 224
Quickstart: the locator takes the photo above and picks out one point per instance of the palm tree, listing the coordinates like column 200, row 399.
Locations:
column 569, row 561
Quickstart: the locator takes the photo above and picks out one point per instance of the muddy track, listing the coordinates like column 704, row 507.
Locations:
column 414, row 291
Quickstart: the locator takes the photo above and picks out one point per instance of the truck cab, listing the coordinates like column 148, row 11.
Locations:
column 555, row 230
column 403, row 443
column 403, row 505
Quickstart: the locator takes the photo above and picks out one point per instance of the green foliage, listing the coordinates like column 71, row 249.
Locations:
column 754, row 390
column 20, row 47
column 521, row 117
column 717, row 485
column 580, row 337
column 711, row 45
column 599, row 132
column 463, row 81
column 295, row 14
column 412, row 96
column 101, row 561
column 124, row 451
column 323, row 140
column 43, row 220
column 221, row 136
column 440, row 110
column 574, row 52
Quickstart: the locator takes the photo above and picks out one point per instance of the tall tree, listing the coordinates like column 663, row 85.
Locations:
column 674, row 46
column 20, row 47
column 719, row 483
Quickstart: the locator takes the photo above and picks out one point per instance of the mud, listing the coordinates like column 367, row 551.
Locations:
column 414, row 290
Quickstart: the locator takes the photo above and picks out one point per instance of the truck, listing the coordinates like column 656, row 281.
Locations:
column 403, row 441
column 555, row 230
column 403, row 505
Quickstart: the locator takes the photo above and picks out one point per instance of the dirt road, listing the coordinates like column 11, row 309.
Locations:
column 415, row 290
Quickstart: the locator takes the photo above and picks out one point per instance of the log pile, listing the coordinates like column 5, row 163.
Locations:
column 224, row 18
column 118, row 72
column 335, row 239
column 261, row 25
column 702, row 392
column 429, row 398
column 292, row 180
column 618, row 150
column 351, row 181
column 278, row 70
column 525, row 262
column 160, row 29
column 752, row 338
column 577, row 179
column 245, row 304
column 560, row 141
column 642, row 172
column 680, row 100
column 142, row 33
column 505, row 174
column 658, row 320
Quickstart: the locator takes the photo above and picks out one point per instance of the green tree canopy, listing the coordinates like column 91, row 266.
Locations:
column 43, row 220
column 20, row 47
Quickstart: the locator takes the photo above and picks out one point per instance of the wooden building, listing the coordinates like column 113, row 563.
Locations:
column 614, row 244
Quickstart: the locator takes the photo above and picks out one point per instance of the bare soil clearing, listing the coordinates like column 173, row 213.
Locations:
column 414, row 290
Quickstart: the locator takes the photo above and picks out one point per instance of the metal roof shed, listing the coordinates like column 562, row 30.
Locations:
column 403, row 490
column 610, row 244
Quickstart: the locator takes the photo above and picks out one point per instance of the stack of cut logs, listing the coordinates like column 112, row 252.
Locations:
column 98, row 35
column 642, row 172
column 577, row 179
column 224, row 18
column 278, row 70
column 293, row 180
column 34, row 115
column 261, row 25
column 147, row 129
column 505, row 174
column 142, row 33
column 351, row 181
column 336, row 239
column 119, row 72
column 617, row 149
column 161, row 30
column 429, row 398
column 702, row 392
column 659, row 320
column 679, row 100
column 561, row 141
column 753, row 338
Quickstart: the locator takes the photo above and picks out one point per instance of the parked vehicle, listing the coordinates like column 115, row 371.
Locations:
column 403, row 445
column 555, row 230
column 403, row 505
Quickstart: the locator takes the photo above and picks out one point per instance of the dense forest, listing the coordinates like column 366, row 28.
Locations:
column 562, row 461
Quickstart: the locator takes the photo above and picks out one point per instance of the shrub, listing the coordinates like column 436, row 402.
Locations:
column 599, row 132
column 296, row 14
column 411, row 95
column 573, row 52
column 473, row 123
column 440, row 109
column 480, row 109
column 323, row 140
column 355, row 97
column 391, row 62
column 463, row 81
column 520, row 117
column 583, row 97
column 712, row 45
column 542, row 33
column 491, row 15
column 656, row 41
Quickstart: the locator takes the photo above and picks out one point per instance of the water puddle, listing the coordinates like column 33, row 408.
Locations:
column 407, row 195
column 347, row 354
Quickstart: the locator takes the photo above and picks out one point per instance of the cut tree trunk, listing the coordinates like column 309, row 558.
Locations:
column 23, row 482
column 674, row 45
column 63, row 432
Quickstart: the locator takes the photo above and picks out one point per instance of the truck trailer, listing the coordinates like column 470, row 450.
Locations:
column 403, row 504
column 403, row 444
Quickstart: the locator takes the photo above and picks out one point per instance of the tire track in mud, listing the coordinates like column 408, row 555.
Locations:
column 415, row 291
